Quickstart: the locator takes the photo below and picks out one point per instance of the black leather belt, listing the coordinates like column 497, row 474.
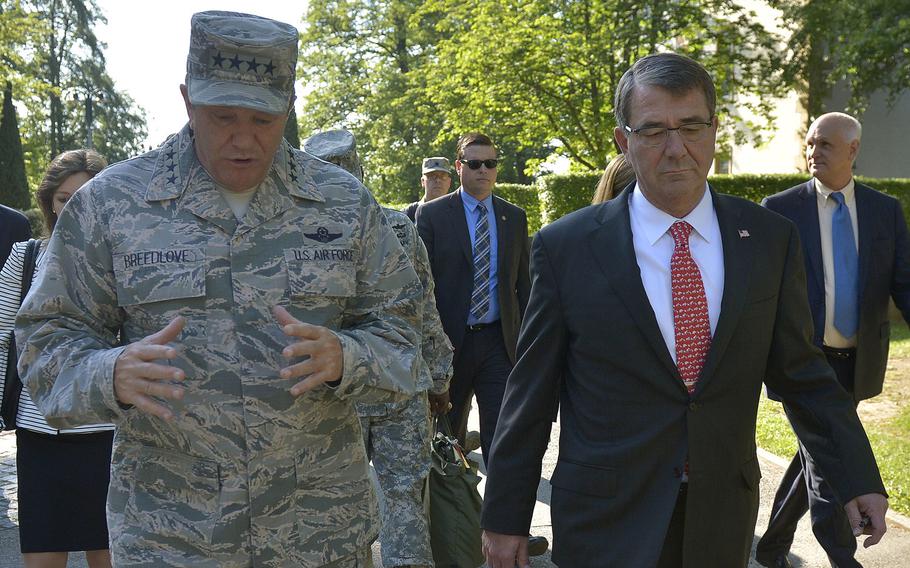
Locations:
column 479, row 326
column 838, row 353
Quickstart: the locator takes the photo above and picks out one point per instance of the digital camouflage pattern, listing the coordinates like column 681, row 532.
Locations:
column 340, row 148
column 397, row 434
column 241, row 60
column 398, row 442
column 245, row 475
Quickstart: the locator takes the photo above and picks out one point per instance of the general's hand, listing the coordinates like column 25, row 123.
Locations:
column 324, row 359
column 505, row 550
column 873, row 506
column 439, row 403
column 137, row 379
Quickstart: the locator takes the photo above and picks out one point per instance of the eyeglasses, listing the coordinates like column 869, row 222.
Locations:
column 475, row 164
column 654, row 136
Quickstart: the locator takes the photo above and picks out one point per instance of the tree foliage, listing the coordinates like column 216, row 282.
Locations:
column 865, row 46
column 543, row 69
column 409, row 76
column 13, row 184
column 56, row 66
column 363, row 63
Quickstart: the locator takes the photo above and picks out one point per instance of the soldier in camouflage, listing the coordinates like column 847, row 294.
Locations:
column 398, row 432
column 225, row 300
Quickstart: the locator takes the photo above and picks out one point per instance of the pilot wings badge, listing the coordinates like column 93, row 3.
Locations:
column 322, row 235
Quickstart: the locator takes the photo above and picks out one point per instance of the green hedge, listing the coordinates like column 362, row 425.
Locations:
column 525, row 196
column 562, row 194
column 556, row 195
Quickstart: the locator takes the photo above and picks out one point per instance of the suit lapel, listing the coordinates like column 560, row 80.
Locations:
column 739, row 250
column 611, row 247
column 811, row 234
column 503, row 224
column 459, row 225
column 865, row 218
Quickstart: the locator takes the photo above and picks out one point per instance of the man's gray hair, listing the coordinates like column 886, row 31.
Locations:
column 847, row 124
column 675, row 73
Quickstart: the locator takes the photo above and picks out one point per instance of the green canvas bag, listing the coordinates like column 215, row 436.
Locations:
column 455, row 503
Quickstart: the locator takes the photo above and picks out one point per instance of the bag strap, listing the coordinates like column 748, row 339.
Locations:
column 443, row 425
column 28, row 266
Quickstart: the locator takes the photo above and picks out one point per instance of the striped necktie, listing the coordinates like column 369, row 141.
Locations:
column 480, row 298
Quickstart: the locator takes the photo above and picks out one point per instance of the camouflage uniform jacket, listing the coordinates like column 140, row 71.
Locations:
column 434, row 369
column 244, row 471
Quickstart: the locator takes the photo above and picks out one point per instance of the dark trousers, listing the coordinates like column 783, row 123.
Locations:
column 481, row 369
column 802, row 489
column 671, row 555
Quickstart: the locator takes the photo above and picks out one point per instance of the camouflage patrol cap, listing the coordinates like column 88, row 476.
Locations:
column 337, row 147
column 437, row 164
column 241, row 60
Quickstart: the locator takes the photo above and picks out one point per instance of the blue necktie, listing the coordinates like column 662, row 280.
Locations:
column 846, row 270
column 480, row 298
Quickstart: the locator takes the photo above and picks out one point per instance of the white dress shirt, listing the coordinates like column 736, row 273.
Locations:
column 826, row 207
column 654, row 246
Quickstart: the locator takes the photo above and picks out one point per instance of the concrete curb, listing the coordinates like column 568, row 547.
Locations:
column 891, row 516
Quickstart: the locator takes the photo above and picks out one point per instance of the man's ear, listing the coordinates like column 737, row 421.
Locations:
column 620, row 136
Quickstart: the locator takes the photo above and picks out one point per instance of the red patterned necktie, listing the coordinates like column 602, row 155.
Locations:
column 690, row 308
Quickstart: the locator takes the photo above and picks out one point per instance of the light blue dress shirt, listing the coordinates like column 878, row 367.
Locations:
column 471, row 214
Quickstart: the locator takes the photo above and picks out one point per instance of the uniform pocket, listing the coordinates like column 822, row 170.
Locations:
column 175, row 495
column 329, row 270
column 337, row 510
column 148, row 276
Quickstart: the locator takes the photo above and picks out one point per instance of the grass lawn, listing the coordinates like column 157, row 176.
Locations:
column 886, row 418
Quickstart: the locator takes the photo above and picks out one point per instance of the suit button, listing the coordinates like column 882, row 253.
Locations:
column 693, row 406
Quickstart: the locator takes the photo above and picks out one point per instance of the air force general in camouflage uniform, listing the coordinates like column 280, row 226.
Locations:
column 249, row 467
column 397, row 432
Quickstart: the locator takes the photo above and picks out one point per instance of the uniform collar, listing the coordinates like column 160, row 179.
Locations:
column 176, row 165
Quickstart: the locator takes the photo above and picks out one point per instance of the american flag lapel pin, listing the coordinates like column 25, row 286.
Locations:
column 743, row 234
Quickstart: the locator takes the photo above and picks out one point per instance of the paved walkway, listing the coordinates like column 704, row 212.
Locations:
column 891, row 553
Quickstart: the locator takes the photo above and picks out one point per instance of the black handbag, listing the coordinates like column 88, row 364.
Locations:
column 12, row 385
column 455, row 503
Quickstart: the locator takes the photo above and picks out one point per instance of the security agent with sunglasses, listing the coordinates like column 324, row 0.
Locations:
column 226, row 300
column 654, row 319
column 478, row 248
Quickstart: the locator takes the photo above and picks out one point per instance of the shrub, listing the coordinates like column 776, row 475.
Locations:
column 524, row 196
column 561, row 194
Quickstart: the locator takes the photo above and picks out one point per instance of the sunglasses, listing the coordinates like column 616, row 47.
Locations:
column 475, row 164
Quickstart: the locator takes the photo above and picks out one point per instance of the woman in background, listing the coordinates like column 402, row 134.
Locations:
column 617, row 175
column 62, row 474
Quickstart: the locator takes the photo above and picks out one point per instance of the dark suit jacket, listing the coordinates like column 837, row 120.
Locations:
column 14, row 228
column 442, row 225
column 884, row 271
column 590, row 340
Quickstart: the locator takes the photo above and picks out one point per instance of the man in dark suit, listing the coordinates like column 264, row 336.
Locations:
column 857, row 255
column 652, row 322
column 482, row 284
column 14, row 228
